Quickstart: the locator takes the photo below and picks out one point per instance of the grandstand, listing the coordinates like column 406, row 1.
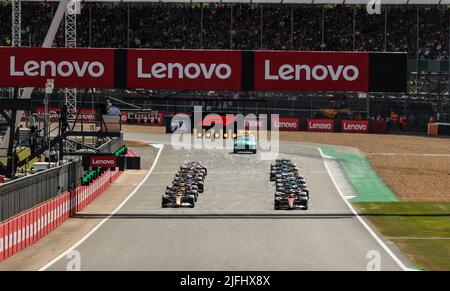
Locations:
column 416, row 29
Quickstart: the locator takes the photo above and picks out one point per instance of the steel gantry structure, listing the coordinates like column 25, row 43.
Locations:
column 73, row 8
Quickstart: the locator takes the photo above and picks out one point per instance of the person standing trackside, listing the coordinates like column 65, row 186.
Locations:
column 47, row 155
column 112, row 109
column 431, row 119
column 394, row 120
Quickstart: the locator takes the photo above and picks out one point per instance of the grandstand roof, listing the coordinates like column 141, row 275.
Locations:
column 383, row 2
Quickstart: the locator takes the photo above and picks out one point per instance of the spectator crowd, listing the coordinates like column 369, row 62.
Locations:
column 421, row 31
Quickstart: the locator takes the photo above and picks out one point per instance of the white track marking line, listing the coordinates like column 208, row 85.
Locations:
column 45, row 267
column 407, row 154
column 360, row 219
column 418, row 238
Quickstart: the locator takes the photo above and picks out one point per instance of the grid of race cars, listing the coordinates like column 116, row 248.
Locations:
column 291, row 191
column 186, row 185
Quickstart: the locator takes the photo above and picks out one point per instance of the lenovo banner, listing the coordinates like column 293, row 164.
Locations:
column 249, row 121
column 213, row 119
column 103, row 161
column 123, row 117
column 320, row 125
column 184, row 69
column 256, row 122
column 295, row 71
column 355, row 126
column 73, row 68
column 311, row 71
column 286, row 124
column 85, row 114
column 141, row 118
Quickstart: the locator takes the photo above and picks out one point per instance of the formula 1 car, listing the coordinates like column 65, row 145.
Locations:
column 290, row 201
column 193, row 168
column 282, row 166
column 195, row 183
column 186, row 185
column 184, row 188
column 178, row 199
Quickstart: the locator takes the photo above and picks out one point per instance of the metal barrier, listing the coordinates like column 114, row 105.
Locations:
column 112, row 145
column 24, row 193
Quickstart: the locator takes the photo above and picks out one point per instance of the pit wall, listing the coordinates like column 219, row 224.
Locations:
column 28, row 227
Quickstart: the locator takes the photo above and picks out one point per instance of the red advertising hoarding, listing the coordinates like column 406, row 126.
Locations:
column 141, row 118
column 86, row 114
column 103, row 161
column 184, row 69
column 355, row 126
column 286, row 124
column 320, row 125
column 123, row 117
column 295, row 71
column 249, row 121
column 254, row 122
column 213, row 119
column 380, row 126
column 311, row 71
column 73, row 68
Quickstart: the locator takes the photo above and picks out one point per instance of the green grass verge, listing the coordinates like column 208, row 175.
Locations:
column 420, row 229
column 132, row 143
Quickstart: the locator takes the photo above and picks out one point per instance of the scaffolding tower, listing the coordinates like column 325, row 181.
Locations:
column 72, row 10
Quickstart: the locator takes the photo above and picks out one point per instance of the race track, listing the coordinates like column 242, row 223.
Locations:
column 233, row 225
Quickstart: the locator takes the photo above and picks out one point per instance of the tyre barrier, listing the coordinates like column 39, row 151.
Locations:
column 25, row 229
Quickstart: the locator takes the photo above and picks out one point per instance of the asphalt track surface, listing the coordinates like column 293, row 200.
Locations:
column 233, row 225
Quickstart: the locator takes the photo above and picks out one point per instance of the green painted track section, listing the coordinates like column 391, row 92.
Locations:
column 366, row 182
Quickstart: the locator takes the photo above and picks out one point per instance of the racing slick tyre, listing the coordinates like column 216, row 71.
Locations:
column 276, row 205
column 192, row 202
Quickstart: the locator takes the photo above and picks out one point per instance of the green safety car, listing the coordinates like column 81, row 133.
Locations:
column 245, row 143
